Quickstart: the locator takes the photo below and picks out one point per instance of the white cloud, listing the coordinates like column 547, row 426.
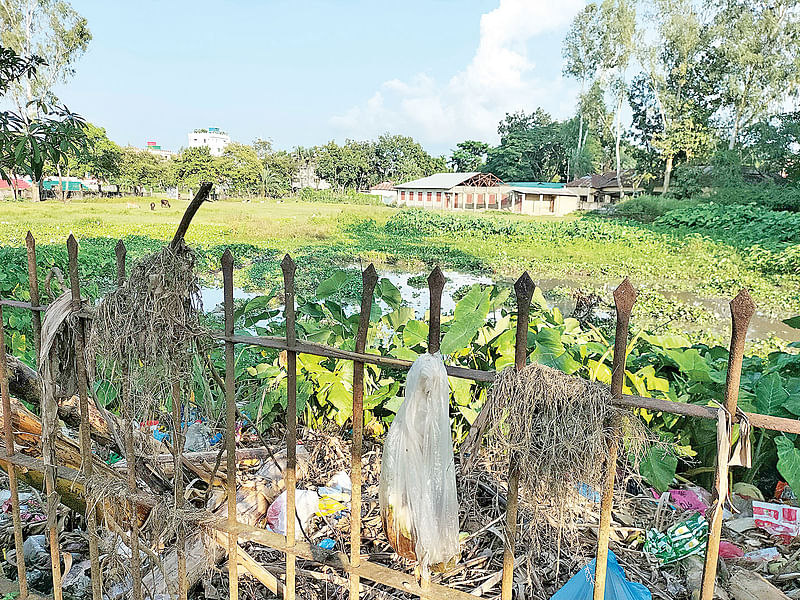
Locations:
column 499, row 78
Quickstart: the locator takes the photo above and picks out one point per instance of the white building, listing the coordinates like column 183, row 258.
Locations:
column 212, row 138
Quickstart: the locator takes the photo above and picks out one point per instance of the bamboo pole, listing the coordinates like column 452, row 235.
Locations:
column 742, row 310
column 49, row 413
column 8, row 439
column 368, row 280
column 624, row 298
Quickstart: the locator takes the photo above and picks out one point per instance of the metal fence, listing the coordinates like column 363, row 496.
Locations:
column 355, row 565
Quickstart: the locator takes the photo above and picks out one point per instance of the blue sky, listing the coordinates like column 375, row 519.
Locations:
column 303, row 73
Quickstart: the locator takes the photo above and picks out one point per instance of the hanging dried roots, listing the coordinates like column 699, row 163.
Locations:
column 150, row 323
column 558, row 427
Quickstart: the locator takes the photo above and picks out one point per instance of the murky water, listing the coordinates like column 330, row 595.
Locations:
column 762, row 325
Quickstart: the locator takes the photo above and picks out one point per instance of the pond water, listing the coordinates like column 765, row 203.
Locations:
column 761, row 326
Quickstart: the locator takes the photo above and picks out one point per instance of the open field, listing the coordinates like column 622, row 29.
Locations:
column 694, row 272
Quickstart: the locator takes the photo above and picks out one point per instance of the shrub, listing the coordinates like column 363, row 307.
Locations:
column 648, row 208
column 337, row 197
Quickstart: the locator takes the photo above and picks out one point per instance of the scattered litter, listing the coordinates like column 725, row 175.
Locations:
column 763, row 555
column 748, row 490
column 588, row 492
column 327, row 544
column 778, row 519
column 729, row 550
column 785, row 493
column 581, row 585
column 198, row 436
column 687, row 499
column 306, row 506
column 741, row 525
column 679, row 541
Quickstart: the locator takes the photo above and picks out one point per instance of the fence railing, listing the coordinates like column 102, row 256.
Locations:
column 354, row 565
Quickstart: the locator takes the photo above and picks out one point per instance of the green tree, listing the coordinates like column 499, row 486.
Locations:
column 195, row 165
column 28, row 143
column 101, row 158
column 771, row 146
column 469, row 156
column 618, row 19
column 51, row 30
column 757, row 58
column 239, row 169
column 400, row 158
column 533, row 147
column 139, row 169
column 582, row 54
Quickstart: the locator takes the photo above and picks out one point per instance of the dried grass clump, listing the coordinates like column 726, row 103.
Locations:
column 558, row 427
column 150, row 322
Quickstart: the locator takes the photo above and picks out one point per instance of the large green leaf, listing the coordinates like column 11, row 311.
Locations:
column 666, row 341
column 389, row 293
column 414, row 333
column 332, row 284
column 691, row 363
column 788, row 461
column 771, row 397
column 550, row 351
column 794, row 322
column 658, row 468
column 468, row 317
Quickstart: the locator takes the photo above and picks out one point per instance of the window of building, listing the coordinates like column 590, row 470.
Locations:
column 430, row 196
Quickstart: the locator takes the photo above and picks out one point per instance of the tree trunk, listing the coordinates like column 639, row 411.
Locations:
column 617, row 145
column 667, row 174
column 735, row 132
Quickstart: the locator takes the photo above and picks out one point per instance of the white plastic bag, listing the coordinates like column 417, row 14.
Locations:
column 306, row 503
column 418, row 499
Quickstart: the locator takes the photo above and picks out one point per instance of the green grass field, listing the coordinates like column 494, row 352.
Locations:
column 583, row 251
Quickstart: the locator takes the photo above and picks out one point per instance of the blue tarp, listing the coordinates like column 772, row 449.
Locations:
column 581, row 586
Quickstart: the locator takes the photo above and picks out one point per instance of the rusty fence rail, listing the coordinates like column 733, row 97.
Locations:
column 354, row 565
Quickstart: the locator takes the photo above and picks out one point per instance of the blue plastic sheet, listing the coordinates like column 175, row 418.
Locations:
column 581, row 586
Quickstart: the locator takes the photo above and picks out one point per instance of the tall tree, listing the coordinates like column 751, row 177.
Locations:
column 240, row 169
column 469, row 156
column 582, row 58
column 758, row 59
column 678, row 43
column 618, row 18
column 51, row 30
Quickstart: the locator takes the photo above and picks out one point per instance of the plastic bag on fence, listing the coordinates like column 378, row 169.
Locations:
column 581, row 585
column 419, row 507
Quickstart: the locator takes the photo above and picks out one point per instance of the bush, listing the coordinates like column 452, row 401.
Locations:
column 648, row 208
column 337, row 197
column 771, row 196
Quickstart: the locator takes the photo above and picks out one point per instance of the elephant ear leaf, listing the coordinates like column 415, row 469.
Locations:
column 794, row 322
column 658, row 468
column 788, row 461
column 468, row 317
column 771, row 397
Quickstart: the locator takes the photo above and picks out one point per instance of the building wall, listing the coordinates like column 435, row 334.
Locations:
column 215, row 142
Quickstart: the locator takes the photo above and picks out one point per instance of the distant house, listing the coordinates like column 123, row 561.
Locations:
column 156, row 149
column 454, row 191
column 604, row 188
column 385, row 190
column 544, row 198
column 7, row 187
column 212, row 138
column 484, row 191
column 306, row 177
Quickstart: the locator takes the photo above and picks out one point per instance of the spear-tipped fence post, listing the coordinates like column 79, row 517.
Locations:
column 83, row 395
column 742, row 310
column 435, row 287
column 289, row 268
column 368, row 280
column 120, row 252
column 523, row 289
column 624, row 299
column 230, row 423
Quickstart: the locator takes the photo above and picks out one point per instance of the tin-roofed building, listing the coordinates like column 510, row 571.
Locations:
column 454, row 190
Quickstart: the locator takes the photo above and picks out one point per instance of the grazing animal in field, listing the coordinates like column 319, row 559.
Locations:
column 152, row 206
column 131, row 205
column 165, row 203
